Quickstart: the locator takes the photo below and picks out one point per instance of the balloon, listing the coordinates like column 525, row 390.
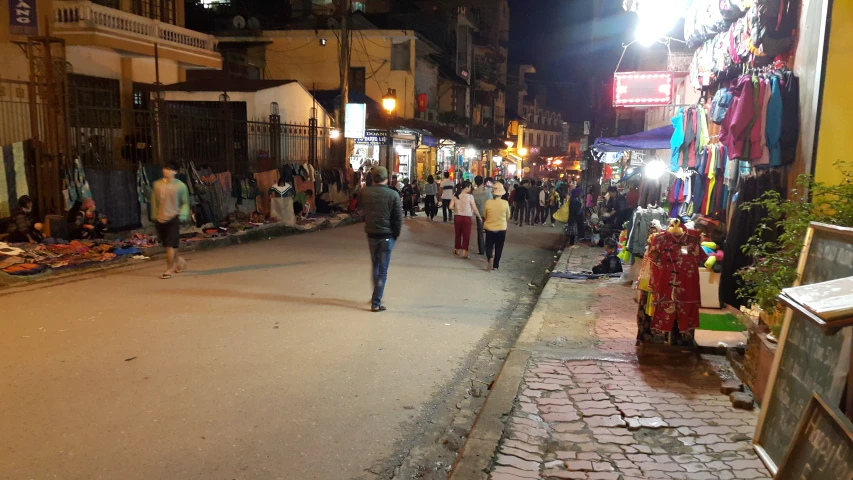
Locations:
column 719, row 256
column 709, row 264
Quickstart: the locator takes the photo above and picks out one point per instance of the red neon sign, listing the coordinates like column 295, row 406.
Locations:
column 636, row 89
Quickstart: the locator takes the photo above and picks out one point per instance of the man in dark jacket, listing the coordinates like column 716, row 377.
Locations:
column 520, row 201
column 533, row 209
column 383, row 221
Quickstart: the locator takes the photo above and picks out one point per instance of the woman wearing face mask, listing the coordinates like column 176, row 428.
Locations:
column 464, row 207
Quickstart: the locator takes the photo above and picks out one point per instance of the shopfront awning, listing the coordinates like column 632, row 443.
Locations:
column 513, row 158
column 655, row 139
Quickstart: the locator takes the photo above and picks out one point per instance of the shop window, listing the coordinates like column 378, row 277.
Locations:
column 357, row 81
column 539, row 139
column 359, row 6
column 141, row 96
column 401, row 56
column 162, row 10
column 93, row 101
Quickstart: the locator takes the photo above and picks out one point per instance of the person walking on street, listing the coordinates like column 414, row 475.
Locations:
column 495, row 218
column 464, row 207
column 552, row 203
column 170, row 205
column 383, row 222
column 430, row 198
column 520, row 203
column 481, row 196
column 447, row 185
column 408, row 194
column 533, row 208
column 574, row 227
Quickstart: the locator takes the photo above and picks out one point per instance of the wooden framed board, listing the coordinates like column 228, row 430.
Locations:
column 808, row 361
column 822, row 446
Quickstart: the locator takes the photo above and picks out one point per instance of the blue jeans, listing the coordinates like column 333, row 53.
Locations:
column 380, row 256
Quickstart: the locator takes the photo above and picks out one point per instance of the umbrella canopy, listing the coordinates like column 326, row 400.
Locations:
column 655, row 139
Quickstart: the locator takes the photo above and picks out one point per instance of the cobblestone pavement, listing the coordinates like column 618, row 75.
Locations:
column 616, row 416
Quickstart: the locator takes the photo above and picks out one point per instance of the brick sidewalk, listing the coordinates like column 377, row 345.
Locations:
column 609, row 419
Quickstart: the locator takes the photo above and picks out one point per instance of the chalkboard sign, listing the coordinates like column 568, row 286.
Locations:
column 822, row 446
column 807, row 361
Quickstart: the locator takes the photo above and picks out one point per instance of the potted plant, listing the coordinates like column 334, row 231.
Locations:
column 775, row 262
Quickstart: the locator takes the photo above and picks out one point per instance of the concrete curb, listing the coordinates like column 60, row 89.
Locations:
column 482, row 442
column 17, row 285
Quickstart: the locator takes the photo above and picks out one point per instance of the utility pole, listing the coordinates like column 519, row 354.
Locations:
column 344, row 64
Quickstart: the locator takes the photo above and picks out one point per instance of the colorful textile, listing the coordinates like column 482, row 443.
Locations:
column 265, row 180
column 13, row 178
column 675, row 280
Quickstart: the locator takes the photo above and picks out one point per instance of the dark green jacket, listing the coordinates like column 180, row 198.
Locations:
column 383, row 211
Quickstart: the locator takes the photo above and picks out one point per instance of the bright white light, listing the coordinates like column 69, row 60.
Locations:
column 497, row 159
column 655, row 169
column 470, row 153
column 657, row 17
column 335, row 133
column 402, row 150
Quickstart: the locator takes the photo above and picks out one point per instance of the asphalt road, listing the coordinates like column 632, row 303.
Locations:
column 261, row 362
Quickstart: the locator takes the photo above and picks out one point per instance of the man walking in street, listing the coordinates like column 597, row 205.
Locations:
column 481, row 195
column 533, row 202
column 447, row 185
column 170, row 205
column 383, row 221
column 520, row 202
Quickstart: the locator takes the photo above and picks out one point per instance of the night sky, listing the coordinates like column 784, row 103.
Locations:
column 556, row 37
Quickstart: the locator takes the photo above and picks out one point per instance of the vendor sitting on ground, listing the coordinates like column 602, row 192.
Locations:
column 24, row 228
column 88, row 224
column 611, row 263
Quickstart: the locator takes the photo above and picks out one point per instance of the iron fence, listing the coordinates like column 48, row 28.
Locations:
column 216, row 135
column 15, row 123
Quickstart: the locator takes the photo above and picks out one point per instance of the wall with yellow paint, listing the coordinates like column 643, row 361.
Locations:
column 834, row 139
column 299, row 55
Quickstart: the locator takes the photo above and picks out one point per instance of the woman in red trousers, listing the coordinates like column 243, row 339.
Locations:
column 464, row 208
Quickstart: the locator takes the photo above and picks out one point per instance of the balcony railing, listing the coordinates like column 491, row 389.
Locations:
column 73, row 14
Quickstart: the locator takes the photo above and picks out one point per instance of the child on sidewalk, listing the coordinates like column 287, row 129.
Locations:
column 611, row 263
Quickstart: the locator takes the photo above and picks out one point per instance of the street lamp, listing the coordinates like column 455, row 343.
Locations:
column 389, row 103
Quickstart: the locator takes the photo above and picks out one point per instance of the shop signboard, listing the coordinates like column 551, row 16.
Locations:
column 23, row 19
column 429, row 141
column 404, row 143
column 584, row 144
column 354, row 119
column 642, row 89
column 586, row 127
column 373, row 137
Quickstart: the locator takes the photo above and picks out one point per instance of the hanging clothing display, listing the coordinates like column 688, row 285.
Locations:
column 116, row 196
column 281, row 204
column 743, row 225
column 265, row 180
column 13, row 175
column 674, row 281
column 640, row 224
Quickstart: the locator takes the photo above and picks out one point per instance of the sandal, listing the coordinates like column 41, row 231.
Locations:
column 166, row 276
